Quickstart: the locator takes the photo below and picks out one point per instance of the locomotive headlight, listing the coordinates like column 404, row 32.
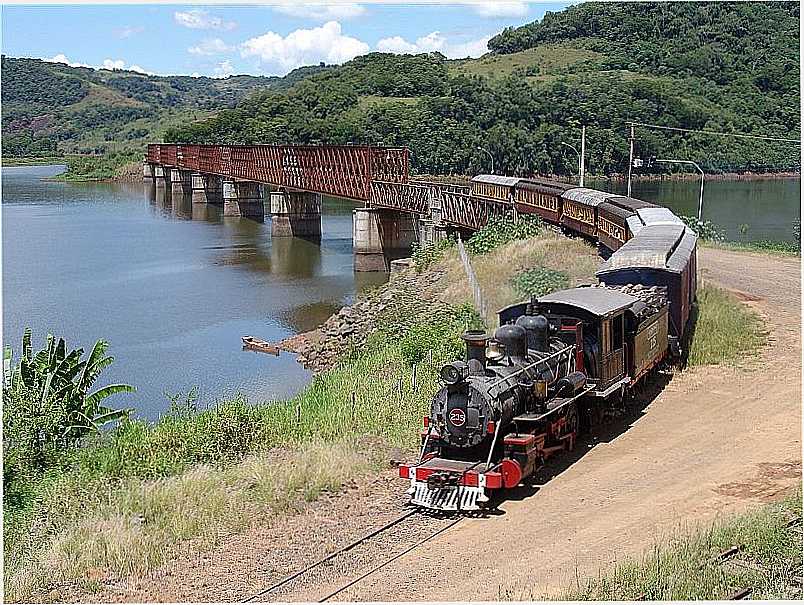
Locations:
column 454, row 372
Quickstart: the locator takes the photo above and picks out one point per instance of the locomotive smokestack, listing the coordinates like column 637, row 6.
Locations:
column 476, row 341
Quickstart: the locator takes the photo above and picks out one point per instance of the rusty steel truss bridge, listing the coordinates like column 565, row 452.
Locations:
column 377, row 176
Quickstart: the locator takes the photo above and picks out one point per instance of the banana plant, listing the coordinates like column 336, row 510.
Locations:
column 61, row 384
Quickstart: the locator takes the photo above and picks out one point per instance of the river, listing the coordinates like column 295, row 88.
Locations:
column 173, row 293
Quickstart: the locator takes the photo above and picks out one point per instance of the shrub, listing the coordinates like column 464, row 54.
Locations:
column 499, row 231
column 539, row 281
column 425, row 255
column 706, row 230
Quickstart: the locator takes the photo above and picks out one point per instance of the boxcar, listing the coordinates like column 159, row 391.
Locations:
column 541, row 197
column 579, row 211
column 494, row 187
column 659, row 255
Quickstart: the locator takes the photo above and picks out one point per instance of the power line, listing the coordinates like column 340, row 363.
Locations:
column 714, row 132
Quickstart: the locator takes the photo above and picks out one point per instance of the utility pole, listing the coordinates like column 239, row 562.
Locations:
column 631, row 160
column 490, row 157
column 700, row 195
column 583, row 153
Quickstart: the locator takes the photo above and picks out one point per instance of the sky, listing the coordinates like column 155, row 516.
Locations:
column 265, row 39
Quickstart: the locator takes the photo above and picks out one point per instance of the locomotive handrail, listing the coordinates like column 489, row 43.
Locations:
column 534, row 364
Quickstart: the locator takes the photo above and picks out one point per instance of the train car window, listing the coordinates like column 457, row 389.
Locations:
column 617, row 337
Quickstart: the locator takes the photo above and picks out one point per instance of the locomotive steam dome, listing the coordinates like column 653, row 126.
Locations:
column 514, row 339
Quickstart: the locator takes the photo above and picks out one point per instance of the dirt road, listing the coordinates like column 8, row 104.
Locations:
column 714, row 441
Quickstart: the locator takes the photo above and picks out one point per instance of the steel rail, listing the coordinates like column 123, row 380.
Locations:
column 330, row 556
column 391, row 560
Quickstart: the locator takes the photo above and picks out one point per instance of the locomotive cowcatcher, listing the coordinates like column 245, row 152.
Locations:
column 517, row 398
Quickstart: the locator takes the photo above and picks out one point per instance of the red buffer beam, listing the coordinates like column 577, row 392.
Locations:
column 340, row 170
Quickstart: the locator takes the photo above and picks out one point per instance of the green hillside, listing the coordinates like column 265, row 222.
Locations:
column 53, row 108
column 730, row 67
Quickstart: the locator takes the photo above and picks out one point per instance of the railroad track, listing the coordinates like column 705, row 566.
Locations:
column 349, row 560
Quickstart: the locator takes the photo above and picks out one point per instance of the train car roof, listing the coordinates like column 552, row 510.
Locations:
column 615, row 210
column 496, row 179
column 538, row 184
column 663, row 247
column 598, row 301
column 658, row 215
column 631, row 203
column 587, row 197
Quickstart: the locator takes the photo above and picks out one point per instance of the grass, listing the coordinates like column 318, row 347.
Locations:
column 495, row 270
column 726, row 330
column 131, row 528
column 126, row 502
column 545, row 58
column 686, row 568
column 34, row 161
column 775, row 248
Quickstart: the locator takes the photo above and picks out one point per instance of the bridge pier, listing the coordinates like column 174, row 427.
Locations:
column 180, row 182
column 295, row 214
column 206, row 188
column 148, row 171
column 161, row 176
column 381, row 236
column 243, row 199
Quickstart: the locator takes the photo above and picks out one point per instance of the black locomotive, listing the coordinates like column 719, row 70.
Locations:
column 517, row 398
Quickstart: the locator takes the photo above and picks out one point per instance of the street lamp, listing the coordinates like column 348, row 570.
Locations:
column 690, row 162
column 490, row 157
column 579, row 160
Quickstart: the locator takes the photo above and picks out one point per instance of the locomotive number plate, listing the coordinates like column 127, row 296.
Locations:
column 457, row 417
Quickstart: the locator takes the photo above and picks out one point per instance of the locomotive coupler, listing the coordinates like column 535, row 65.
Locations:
column 442, row 479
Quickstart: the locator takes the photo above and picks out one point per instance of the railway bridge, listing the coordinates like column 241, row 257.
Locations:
column 286, row 182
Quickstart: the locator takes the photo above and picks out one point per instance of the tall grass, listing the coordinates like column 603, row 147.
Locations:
column 121, row 504
column 769, row 562
column 132, row 527
column 726, row 330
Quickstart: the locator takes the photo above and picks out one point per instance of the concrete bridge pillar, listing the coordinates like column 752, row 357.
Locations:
column 206, row 188
column 242, row 198
column 295, row 214
column 381, row 236
column 161, row 176
column 180, row 182
column 148, row 171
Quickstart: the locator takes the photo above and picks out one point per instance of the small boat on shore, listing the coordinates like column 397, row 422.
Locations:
column 263, row 346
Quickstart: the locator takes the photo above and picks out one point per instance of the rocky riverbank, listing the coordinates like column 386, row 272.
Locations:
column 407, row 297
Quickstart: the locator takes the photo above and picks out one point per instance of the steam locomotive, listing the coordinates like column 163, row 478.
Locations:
column 519, row 397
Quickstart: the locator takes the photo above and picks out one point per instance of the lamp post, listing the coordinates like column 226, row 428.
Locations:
column 691, row 163
column 491, row 157
column 580, row 174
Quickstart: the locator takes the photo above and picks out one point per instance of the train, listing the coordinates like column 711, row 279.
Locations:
column 557, row 362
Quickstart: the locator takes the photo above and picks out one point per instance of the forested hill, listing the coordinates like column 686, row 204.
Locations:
column 53, row 108
column 719, row 66
column 730, row 67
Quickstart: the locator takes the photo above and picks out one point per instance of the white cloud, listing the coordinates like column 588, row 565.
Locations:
column 201, row 19
column 435, row 42
column 210, row 46
column 223, row 69
column 107, row 64
column 114, row 64
column 60, row 58
column 129, row 30
column 320, row 12
column 501, row 9
column 304, row 47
